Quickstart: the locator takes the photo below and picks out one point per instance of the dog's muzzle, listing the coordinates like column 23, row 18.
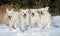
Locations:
column 24, row 15
column 42, row 13
column 32, row 14
column 9, row 17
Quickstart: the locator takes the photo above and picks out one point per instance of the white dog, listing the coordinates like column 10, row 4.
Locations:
column 46, row 18
column 12, row 17
column 34, row 16
column 24, row 18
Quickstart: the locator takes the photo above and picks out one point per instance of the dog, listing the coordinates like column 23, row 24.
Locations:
column 34, row 18
column 24, row 19
column 46, row 18
column 12, row 17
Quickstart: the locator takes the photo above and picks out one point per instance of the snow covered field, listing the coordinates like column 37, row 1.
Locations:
column 55, row 31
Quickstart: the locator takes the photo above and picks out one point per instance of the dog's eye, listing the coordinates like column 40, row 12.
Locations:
column 23, row 12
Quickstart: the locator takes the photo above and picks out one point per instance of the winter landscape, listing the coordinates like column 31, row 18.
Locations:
column 55, row 31
column 29, row 17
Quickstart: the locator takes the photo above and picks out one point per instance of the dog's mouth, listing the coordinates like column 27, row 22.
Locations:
column 24, row 15
column 9, row 17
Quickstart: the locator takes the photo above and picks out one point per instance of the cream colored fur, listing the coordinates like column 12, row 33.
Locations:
column 14, row 18
column 34, row 19
column 24, row 21
column 46, row 19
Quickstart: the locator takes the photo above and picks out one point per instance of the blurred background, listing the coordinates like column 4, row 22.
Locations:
column 53, row 4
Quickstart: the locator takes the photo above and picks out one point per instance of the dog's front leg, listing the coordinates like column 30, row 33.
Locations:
column 49, row 25
column 23, row 28
column 10, row 27
column 40, row 25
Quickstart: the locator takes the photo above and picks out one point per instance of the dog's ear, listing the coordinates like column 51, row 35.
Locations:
column 11, row 9
column 7, row 10
column 47, row 8
column 20, row 10
column 38, row 11
column 27, row 10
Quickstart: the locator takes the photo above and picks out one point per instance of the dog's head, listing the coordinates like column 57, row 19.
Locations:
column 24, row 12
column 9, row 13
column 43, row 11
column 33, row 12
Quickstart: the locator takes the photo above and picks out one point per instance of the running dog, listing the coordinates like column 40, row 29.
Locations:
column 24, row 18
column 12, row 17
column 46, row 18
column 34, row 17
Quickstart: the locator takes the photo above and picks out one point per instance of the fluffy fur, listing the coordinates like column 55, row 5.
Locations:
column 46, row 18
column 24, row 18
column 12, row 17
column 34, row 16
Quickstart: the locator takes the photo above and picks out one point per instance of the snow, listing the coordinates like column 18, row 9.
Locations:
column 55, row 31
column 56, row 21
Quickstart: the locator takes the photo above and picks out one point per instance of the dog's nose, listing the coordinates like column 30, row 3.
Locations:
column 9, row 17
column 24, row 14
column 41, row 12
column 33, row 14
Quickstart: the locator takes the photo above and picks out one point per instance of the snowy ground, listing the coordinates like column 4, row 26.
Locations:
column 4, row 30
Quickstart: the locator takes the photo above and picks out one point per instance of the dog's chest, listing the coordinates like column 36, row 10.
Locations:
column 24, row 20
column 45, row 18
column 34, row 19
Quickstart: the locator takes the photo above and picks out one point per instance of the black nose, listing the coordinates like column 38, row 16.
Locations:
column 41, row 12
column 33, row 14
column 24, row 14
column 9, row 17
